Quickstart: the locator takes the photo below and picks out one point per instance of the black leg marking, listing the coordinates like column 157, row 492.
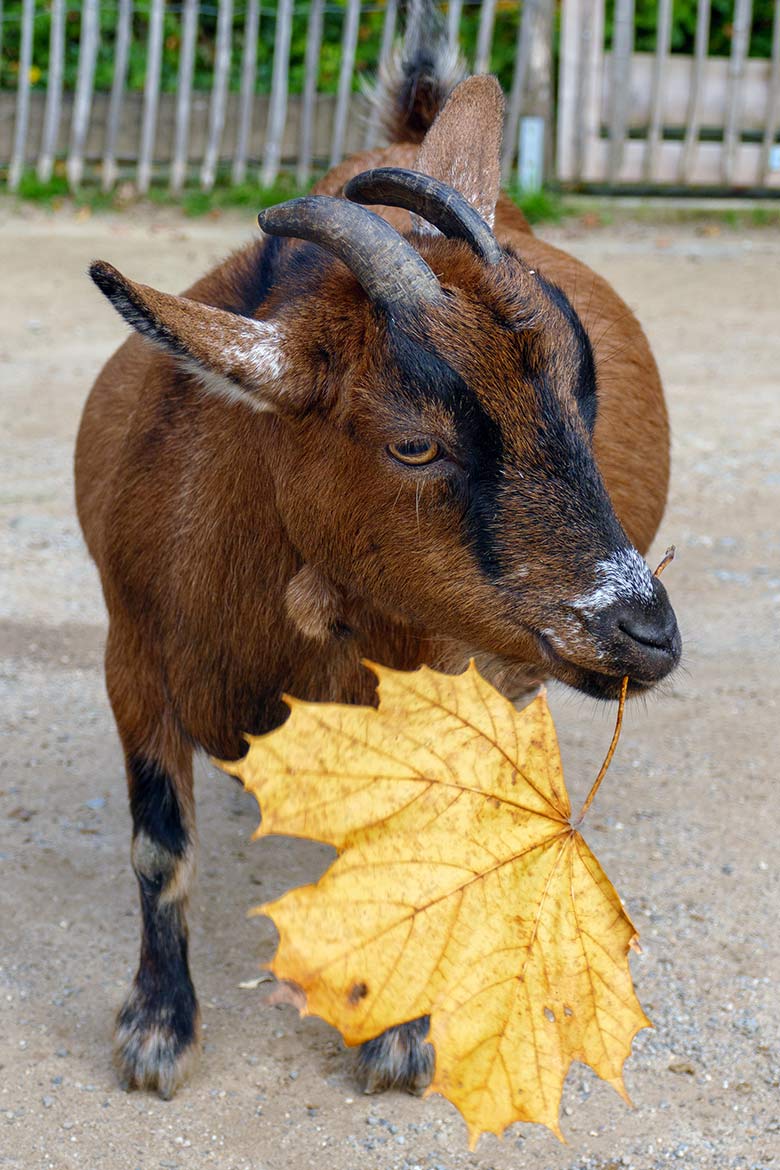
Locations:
column 157, row 1027
column 154, row 805
column 401, row 1058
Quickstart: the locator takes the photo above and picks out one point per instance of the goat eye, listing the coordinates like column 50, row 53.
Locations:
column 414, row 451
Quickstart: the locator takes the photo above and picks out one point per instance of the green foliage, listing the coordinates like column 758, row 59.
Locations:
column 367, row 55
column 372, row 17
column 684, row 26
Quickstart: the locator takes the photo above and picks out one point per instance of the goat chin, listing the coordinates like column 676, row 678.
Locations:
column 517, row 681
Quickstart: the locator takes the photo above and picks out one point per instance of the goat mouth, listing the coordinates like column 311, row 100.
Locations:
column 597, row 684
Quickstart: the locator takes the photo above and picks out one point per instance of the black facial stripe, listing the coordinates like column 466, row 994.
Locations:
column 154, row 805
column 560, row 450
column 254, row 281
column 566, row 472
column 425, row 375
column 584, row 385
column 304, row 268
column 563, row 459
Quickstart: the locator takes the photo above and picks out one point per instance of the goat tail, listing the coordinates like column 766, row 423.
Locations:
column 417, row 78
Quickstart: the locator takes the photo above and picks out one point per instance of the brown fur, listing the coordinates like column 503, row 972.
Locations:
column 244, row 554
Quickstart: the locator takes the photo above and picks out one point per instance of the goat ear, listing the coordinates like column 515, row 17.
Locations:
column 463, row 146
column 234, row 356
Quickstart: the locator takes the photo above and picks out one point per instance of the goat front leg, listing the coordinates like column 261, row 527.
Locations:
column 401, row 1058
column 157, row 1028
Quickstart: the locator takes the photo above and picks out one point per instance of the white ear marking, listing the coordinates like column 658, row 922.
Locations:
column 223, row 387
column 253, row 356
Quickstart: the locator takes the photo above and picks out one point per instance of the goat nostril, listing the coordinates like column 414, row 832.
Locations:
column 648, row 633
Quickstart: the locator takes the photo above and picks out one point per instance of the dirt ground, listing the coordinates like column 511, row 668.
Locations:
column 686, row 825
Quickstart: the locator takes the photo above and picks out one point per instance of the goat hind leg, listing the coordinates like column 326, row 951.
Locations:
column 401, row 1058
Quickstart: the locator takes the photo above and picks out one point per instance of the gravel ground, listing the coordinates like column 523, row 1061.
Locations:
column 686, row 825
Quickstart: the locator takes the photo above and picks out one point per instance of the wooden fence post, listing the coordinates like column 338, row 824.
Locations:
column 311, row 70
column 184, row 96
column 569, row 64
column 121, row 56
column 517, row 92
column 85, row 79
column 589, row 92
column 51, row 118
column 701, row 48
column 454, row 10
column 247, row 99
column 19, row 152
column 663, row 44
column 151, row 96
column 743, row 15
column 773, row 102
column 622, row 48
column 531, row 92
column 277, row 109
column 487, row 18
column 348, row 47
column 218, row 94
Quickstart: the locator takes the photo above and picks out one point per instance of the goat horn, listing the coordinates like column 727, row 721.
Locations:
column 431, row 199
column 385, row 264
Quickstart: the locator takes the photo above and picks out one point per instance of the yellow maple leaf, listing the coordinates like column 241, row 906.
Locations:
column 463, row 890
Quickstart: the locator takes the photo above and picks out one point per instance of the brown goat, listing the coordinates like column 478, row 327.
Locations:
column 404, row 448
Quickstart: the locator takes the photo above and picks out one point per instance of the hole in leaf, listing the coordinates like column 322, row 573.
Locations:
column 359, row 991
column 549, row 1015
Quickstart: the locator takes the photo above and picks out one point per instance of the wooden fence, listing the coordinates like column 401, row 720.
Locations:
column 657, row 119
column 664, row 119
column 191, row 135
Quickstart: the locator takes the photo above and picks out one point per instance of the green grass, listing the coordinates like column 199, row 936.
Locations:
column 192, row 201
column 56, row 192
column 545, row 206
column 249, row 195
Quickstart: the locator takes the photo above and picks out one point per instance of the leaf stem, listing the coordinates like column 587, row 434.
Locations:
column 667, row 559
column 609, row 755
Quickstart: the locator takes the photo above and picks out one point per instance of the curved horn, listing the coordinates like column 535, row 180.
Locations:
column 434, row 201
column 387, row 266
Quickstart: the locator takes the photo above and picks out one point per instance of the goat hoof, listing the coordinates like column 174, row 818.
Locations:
column 155, row 1044
column 401, row 1058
